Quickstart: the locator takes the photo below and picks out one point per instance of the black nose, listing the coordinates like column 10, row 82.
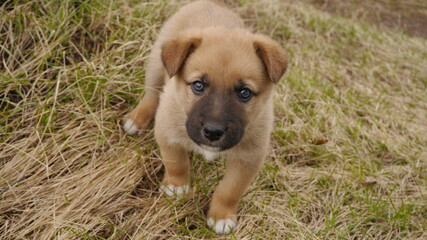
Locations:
column 213, row 132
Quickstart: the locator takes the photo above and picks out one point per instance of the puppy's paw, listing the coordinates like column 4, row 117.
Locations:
column 222, row 226
column 172, row 190
column 130, row 127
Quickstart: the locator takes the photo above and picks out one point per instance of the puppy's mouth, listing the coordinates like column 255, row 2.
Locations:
column 210, row 148
column 214, row 137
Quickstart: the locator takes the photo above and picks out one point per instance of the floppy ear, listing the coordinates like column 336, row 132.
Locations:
column 176, row 51
column 272, row 55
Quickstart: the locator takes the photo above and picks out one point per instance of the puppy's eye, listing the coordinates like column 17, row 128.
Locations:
column 198, row 87
column 244, row 94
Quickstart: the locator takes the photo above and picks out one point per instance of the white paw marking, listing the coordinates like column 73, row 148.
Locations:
column 223, row 226
column 172, row 190
column 130, row 127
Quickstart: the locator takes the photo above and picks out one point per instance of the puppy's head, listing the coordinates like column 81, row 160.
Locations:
column 224, row 80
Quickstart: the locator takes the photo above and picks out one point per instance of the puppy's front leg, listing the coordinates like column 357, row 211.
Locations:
column 177, row 165
column 140, row 117
column 222, row 215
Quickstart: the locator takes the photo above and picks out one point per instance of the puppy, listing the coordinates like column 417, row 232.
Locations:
column 209, row 84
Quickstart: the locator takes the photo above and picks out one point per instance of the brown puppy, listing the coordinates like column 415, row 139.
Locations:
column 211, row 82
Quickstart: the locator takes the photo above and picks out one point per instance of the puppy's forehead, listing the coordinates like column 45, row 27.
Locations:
column 228, row 58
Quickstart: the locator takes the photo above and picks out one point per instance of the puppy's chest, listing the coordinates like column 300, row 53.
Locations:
column 209, row 155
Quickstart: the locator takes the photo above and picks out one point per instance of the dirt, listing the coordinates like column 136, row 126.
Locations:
column 408, row 16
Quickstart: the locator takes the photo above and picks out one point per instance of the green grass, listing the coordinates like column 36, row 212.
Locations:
column 348, row 157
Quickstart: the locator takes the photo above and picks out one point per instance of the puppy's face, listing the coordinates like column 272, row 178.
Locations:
column 224, row 79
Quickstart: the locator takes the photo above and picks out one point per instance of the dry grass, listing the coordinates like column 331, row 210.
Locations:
column 348, row 160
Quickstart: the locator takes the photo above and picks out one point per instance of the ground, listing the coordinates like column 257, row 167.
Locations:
column 349, row 150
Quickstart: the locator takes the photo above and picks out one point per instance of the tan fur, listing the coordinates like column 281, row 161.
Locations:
column 227, row 52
